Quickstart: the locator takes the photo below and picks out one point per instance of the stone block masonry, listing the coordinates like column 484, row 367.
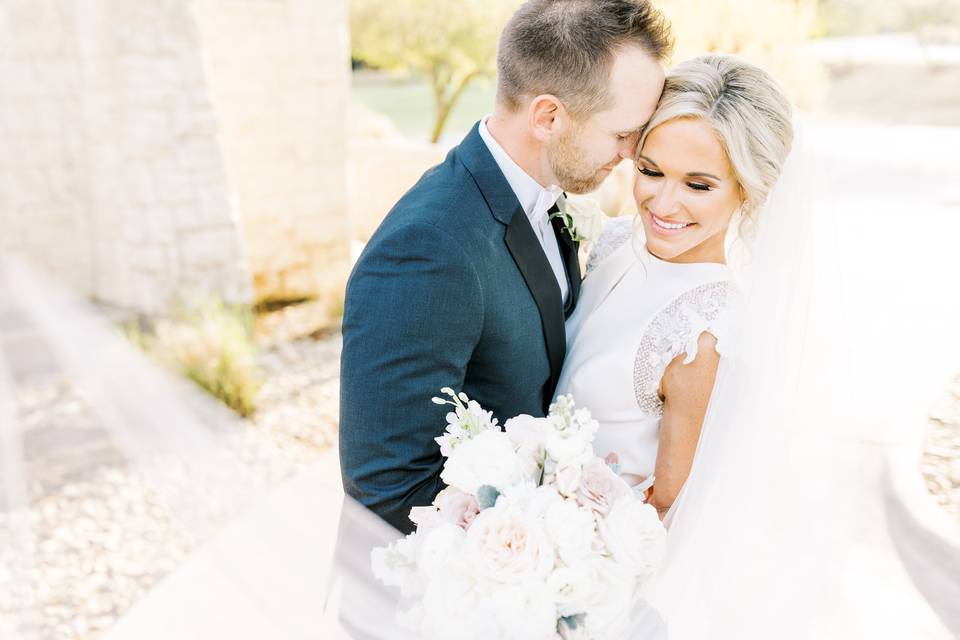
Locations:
column 151, row 151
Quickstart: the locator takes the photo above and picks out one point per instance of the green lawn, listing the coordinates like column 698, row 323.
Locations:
column 408, row 102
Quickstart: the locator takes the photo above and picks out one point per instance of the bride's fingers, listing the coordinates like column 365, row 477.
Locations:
column 612, row 458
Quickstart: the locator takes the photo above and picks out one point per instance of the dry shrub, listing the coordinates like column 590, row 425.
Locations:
column 212, row 344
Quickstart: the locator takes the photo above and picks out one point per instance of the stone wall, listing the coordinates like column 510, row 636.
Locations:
column 152, row 150
column 279, row 75
column 112, row 176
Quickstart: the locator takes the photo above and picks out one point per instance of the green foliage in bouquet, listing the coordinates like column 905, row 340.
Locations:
column 212, row 344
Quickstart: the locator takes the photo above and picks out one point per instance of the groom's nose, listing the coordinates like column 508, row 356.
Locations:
column 628, row 147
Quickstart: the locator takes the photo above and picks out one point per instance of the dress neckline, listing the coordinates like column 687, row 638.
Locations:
column 700, row 267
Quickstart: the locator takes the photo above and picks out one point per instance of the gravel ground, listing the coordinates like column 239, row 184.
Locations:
column 941, row 457
column 96, row 536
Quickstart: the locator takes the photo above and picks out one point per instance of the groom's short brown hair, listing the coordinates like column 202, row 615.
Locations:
column 565, row 48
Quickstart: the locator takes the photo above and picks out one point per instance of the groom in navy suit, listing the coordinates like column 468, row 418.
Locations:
column 468, row 280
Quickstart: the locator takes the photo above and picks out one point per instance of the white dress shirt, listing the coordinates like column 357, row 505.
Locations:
column 535, row 200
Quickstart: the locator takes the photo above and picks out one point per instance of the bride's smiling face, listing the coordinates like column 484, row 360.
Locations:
column 686, row 192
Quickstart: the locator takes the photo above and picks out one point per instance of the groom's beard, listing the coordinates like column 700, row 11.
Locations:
column 566, row 162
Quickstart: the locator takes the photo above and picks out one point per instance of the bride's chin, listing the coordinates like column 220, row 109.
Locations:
column 661, row 250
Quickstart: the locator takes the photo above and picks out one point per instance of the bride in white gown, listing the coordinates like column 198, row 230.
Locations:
column 687, row 372
column 645, row 343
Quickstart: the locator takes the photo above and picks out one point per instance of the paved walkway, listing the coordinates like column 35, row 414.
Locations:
column 84, row 534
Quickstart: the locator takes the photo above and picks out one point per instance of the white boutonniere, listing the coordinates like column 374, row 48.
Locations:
column 582, row 218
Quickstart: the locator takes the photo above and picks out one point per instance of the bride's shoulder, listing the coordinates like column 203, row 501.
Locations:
column 616, row 233
column 711, row 299
column 708, row 308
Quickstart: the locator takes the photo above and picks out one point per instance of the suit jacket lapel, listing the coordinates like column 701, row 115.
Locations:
column 528, row 254
column 522, row 242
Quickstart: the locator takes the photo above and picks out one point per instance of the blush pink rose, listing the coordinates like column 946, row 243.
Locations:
column 600, row 487
column 457, row 507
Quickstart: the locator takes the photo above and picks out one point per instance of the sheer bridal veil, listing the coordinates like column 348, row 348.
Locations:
column 753, row 530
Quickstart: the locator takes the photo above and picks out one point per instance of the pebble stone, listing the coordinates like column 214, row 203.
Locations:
column 941, row 457
column 95, row 536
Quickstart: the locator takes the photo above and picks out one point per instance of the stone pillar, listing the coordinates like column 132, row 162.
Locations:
column 112, row 175
column 279, row 78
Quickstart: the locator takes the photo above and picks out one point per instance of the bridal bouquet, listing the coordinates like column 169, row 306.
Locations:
column 534, row 537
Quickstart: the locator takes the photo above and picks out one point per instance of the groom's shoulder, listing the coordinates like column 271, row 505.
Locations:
column 446, row 195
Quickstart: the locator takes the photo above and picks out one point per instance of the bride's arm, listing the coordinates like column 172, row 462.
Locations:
column 685, row 389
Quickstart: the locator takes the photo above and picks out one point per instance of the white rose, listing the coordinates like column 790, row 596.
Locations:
column 456, row 607
column 396, row 565
column 528, row 435
column 634, row 536
column 586, row 217
column 527, row 430
column 569, row 446
column 441, row 550
column 611, row 595
column 539, row 500
column 531, row 462
column 508, row 544
column 426, row 518
column 571, row 588
column 488, row 458
column 572, row 529
column 525, row 611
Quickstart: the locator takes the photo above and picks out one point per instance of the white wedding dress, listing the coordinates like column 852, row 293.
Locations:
column 736, row 530
column 635, row 315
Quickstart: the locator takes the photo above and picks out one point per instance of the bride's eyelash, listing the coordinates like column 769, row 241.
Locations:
column 697, row 186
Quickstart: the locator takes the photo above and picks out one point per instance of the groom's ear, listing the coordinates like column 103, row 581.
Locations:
column 546, row 116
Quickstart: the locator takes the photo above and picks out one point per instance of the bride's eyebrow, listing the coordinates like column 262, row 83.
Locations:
column 704, row 175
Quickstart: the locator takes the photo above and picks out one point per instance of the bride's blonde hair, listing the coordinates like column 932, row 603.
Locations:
column 749, row 112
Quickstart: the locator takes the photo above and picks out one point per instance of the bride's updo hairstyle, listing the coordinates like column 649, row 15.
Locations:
column 748, row 111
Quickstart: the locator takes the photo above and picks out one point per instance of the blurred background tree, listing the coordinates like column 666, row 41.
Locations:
column 861, row 17
column 440, row 55
column 451, row 44
column 766, row 32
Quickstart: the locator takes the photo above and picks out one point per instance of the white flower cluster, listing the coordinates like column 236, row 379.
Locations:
column 583, row 218
column 535, row 537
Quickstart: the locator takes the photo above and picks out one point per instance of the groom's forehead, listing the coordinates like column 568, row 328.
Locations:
column 628, row 111
column 635, row 83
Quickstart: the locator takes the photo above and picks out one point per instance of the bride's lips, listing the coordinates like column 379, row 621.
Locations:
column 668, row 227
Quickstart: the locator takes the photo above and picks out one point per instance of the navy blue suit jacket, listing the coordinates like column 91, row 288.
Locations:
column 453, row 290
